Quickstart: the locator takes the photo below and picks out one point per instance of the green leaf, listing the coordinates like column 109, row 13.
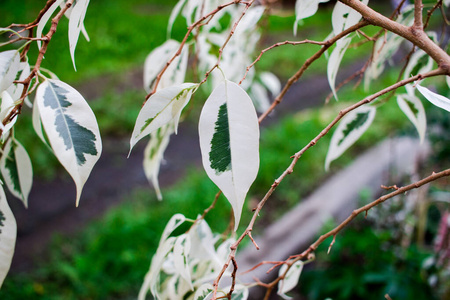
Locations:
column 8, row 233
column 71, row 128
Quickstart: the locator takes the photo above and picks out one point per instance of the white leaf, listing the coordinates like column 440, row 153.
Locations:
column 153, row 155
column 305, row 9
column 290, row 280
column 436, row 99
column 76, row 25
column 161, row 108
column 37, row 125
column 173, row 224
column 350, row 128
column 271, row 82
column 45, row 19
column 202, row 243
column 71, row 128
column 175, row 73
column 344, row 17
column 203, row 292
column 15, row 90
column 8, row 233
column 181, row 258
column 17, row 170
column 229, row 142
column 9, row 66
column 334, row 61
column 260, row 97
column 412, row 107
column 6, row 107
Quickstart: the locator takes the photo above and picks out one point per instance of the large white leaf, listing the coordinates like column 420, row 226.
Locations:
column 76, row 24
column 158, row 58
column 8, row 233
column 71, row 128
column 334, row 61
column 17, row 170
column 161, row 108
column 9, row 66
column 412, row 107
column 290, row 280
column 153, row 155
column 344, row 17
column 435, row 99
column 45, row 19
column 229, row 142
column 305, row 9
column 350, row 128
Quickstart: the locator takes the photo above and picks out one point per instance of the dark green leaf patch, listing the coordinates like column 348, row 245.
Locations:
column 359, row 121
column 220, row 154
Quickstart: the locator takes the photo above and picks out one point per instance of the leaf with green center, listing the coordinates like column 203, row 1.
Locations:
column 436, row 99
column 204, row 291
column 413, row 109
column 163, row 107
column 8, row 233
column 71, row 128
column 350, row 128
column 17, row 170
column 229, row 142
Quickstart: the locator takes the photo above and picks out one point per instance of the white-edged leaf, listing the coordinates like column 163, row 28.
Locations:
column 71, row 128
column 203, row 292
column 229, row 142
column 44, row 20
column 181, row 258
column 6, row 107
column 240, row 292
column 8, row 233
column 17, row 170
column 271, row 82
column 176, row 72
column 344, row 17
column 350, row 128
column 334, row 61
column 420, row 62
column 161, row 108
column 158, row 58
column 412, row 107
column 15, row 90
column 76, row 25
column 153, row 155
column 305, row 9
column 9, row 66
column 175, row 221
column 290, row 281
column 436, row 99
column 37, row 126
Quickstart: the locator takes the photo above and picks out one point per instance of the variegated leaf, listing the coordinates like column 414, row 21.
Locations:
column 76, row 24
column 350, row 128
column 17, row 170
column 8, row 233
column 15, row 90
column 435, row 99
column 44, row 20
column 181, row 258
column 71, row 128
column 229, row 142
column 161, row 108
column 344, row 17
column 290, row 281
column 334, row 61
column 153, row 155
column 6, row 107
column 203, row 292
column 412, row 107
column 9, row 66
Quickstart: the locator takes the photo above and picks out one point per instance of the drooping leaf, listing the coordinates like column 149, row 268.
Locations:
column 9, row 66
column 76, row 22
column 17, row 170
column 344, row 17
column 290, row 281
column 271, row 82
column 8, row 233
column 153, row 155
column 161, row 108
column 156, row 61
column 71, row 128
column 334, row 61
column 44, row 20
column 6, row 107
column 305, row 9
column 15, row 90
column 229, row 142
column 350, row 128
column 412, row 107
column 203, row 292
column 420, row 62
column 181, row 258
column 173, row 15
column 435, row 99
column 259, row 97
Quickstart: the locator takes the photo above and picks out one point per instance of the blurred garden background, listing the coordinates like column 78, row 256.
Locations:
column 104, row 252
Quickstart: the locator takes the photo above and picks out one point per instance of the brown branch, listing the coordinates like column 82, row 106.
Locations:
column 418, row 21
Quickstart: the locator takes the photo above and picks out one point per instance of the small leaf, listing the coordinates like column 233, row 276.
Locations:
column 9, row 66
column 350, row 128
column 290, row 281
column 435, row 99
column 15, row 90
column 229, row 142
column 6, row 107
column 334, row 61
column 181, row 258
column 344, row 17
column 44, row 20
column 76, row 25
column 259, row 97
column 203, row 291
column 153, row 155
column 8, row 233
column 305, row 9
column 271, row 82
column 71, row 128
column 17, row 170
column 412, row 107
column 161, row 108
